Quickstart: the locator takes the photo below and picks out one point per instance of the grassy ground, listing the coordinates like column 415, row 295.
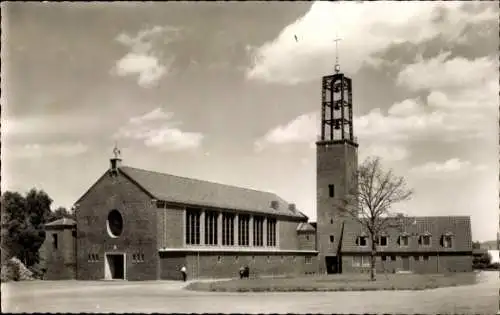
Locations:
column 338, row 283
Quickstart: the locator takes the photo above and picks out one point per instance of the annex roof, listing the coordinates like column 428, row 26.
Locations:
column 435, row 226
column 305, row 227
column 190, row 191
column 62, row 222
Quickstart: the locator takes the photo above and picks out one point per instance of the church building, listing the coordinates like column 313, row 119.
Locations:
column 137, row 224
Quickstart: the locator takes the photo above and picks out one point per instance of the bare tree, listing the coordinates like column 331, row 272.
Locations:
column 370, row 201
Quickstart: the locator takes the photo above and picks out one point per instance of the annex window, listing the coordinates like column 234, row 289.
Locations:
column 192, row 227
column 331, row 190
column 243, row 230
column 258, row 231
column 382, row 241
column 356, row 261
column 271, row 232
column 227, row 229
column 211, row 227
column 308, row 259
column 447, row 241
column 384, row 258
column 55, row 243
column 393, row 258
column 416, row 258
column 403, row 240
column 425, row 257
column 331, row 238
column 362, row 240
column 424, row 240
column 360, row 261
column 365, row 261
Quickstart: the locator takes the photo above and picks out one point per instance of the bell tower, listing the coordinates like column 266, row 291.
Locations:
column 336, row 163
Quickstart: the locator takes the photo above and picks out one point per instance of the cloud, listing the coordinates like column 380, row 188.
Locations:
column 366, row 29
column 386, row 152
column 142, row 60
column 450, row 166
column 457, row 110
column 48, row 125
column 302, row 129
column 157, row 130
column 441, row 72
column 146, row 67
column 36, row 150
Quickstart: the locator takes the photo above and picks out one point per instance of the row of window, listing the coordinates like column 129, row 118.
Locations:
column 137, row 258
column 404, row 240
column 93, row 258
column 364, row 261
column 307, row 259
column 192, row 235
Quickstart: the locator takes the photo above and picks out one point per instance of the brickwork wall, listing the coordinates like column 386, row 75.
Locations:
column 307, row 240
column 139, row 232
column 287, row 234
column 170, row 227
column 335, row 165
column 227, row 265
column 60, row 263
column 435, row 264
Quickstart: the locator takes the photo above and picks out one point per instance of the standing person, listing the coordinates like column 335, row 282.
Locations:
column 184, row 275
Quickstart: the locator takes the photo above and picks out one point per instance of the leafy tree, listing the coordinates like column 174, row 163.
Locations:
column 60, row 213
column 23, row 220
column 370, row 201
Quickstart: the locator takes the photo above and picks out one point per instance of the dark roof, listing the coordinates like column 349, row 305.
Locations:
column 189, row 191
column 435, row 226
column 62, row 222
column 305, row 227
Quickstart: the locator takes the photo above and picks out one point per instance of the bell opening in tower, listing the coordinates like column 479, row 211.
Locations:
column 336, row 110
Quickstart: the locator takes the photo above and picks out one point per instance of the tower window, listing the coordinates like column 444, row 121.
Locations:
column 54, row 240
column 331, row 190
column 331, row 238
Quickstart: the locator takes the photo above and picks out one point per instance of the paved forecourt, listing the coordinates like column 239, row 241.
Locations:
column 169, row 297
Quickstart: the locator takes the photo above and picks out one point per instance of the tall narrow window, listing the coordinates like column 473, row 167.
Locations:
column 192, row 226
column 54, row 241
column 258, row 231
column 271, row 232
column 227, row 229
column 331, row 238
column 211, row 228
column 331, row 190
column 243, row 230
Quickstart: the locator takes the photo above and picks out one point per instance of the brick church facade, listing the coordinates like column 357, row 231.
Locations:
column 135, row 224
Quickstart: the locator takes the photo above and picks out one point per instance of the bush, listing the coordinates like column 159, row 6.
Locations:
column 9, row 272
column 14, row 270
column 38, row 271
column 495, row 266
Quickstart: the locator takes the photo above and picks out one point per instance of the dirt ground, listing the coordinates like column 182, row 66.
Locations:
column 170, row 297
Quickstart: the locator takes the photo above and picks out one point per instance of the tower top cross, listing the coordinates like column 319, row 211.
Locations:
column 337, row 65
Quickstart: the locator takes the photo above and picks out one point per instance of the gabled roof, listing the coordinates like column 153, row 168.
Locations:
column 305, row 227
column 189, row 191
column 62, row 222
column 435, row 226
